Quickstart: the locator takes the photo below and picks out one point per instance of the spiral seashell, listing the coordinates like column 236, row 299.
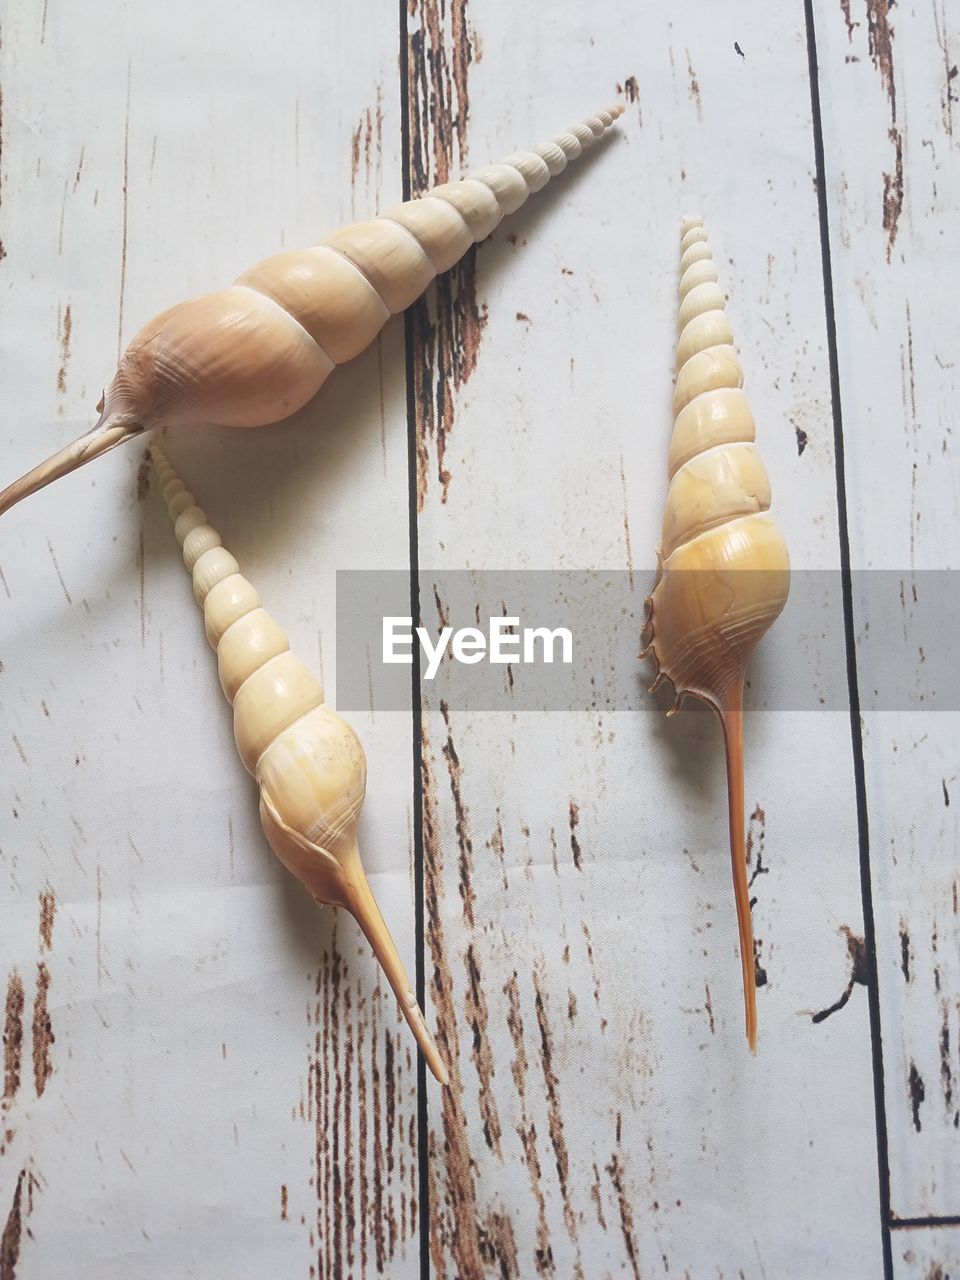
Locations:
column 724, row 572
column 254, row 353
column 308, row 763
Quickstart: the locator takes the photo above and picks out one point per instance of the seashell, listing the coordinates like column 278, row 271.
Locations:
column 254, row 353
column 308, row 763
column 724, row 572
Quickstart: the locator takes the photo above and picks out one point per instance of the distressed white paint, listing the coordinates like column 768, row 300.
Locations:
column 899, row 383
column 160, row 1153
column 929, row 1254
column 180, row 1003
column 717, row 1153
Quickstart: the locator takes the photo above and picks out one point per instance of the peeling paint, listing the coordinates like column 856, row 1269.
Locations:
column 464, row 842
column 499, row 1246
column 359, row 1088
column 43, row 1037
column 631, row 91
column 859, row 973
column 627, row 1227
column 48, row 912
column 526, row 1131
column 574, row 822
column 893, row 193
column 367, row 148
column 481, row 1051
column 845, row 6
column 445, row 348
column 66, row 333
column 12, row 1233
column 880, row 45
column 916, row 1091
column 551, row 1084
column 144, row 474
column 13, row 1038
column 694, row 87
column 454, row 1218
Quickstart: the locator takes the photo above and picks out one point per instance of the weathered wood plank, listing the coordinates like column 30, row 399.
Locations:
column 926, row 1253
column 605, row 1118
column 205, row 1075
column 889, row 80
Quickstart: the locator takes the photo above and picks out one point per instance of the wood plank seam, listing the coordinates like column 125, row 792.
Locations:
column 416, row 744
column 856, row 732
column 907, row 1224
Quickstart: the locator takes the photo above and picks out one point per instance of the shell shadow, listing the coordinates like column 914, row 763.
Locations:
column 317, row 929
column 496, row 252
column 261, row 487
column 691, row 742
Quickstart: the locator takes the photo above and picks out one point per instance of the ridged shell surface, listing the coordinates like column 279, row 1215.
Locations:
column 307, row 761
column 724, row 574
column 258, row 351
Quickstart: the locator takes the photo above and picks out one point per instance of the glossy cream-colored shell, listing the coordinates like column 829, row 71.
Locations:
column 724, row 574
column 258, row 351
column 307, row 761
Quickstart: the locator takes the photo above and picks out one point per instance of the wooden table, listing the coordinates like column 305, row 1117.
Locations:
column 206, row 1077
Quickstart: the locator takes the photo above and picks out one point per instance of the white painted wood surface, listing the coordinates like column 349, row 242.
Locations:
column 890, row 89
column 196, row 1070
column 230, row 1089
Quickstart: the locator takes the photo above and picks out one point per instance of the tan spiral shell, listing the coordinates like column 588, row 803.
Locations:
column 256, row 352
column 724, row 571
column 308, row 763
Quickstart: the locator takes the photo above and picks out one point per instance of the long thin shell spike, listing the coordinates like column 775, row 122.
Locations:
column 308, row 763
column 258, row 351
column 724, row 570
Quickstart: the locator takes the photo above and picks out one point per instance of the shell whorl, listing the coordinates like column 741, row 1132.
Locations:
column 724, row 567
column 269, row 689
column 308, row 762
column 258, row 351
column 300, row 313
column 724, row 572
